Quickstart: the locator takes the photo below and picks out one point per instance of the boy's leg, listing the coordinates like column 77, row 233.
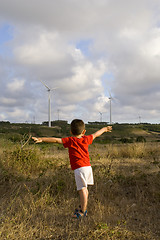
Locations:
column 83, row 177
column 83, row 193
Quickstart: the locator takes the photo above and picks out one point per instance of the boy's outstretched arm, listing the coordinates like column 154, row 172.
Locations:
column 48, row 140
column 101, row 131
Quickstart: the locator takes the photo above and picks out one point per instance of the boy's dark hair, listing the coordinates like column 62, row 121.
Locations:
column 77, row 126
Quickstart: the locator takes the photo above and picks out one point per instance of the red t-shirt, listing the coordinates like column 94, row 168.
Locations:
column 78, row 150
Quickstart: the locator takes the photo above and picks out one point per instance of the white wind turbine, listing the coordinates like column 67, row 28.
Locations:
column 49, row 102
column 100, row 116
column 110, row 103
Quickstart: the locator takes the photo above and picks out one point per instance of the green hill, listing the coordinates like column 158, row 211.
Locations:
column 122, row 133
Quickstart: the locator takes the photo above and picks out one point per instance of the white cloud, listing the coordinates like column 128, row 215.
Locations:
column 2, row 116
column 8, row 101
column 47, row 48
column 84, row 84
column 17, row 113
column 16, row 85
column 100, row 104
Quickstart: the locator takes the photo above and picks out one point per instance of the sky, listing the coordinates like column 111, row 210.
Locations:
column 89, row 50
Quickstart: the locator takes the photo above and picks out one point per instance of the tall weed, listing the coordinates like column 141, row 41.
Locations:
column 134, row 150
column 26, row 160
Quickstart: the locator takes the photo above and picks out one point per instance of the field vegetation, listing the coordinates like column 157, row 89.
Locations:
column 38, row 192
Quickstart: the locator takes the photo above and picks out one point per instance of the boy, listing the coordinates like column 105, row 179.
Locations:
column 79, row 158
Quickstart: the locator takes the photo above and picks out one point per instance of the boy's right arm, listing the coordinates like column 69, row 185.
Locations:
column 48, row 140
column 101, row 131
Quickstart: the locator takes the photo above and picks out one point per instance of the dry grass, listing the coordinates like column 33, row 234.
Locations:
column 38, row 193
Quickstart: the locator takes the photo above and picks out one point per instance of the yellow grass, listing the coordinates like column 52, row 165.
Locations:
column 38, row 193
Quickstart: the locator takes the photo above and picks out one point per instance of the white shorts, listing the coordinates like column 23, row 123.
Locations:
column 83, row 177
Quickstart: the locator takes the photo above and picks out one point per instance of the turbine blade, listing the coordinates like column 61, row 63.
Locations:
column 54, row 88
column 110, row 95
column 45, row 85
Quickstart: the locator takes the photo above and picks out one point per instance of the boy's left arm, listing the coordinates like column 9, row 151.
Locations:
column 101, row 131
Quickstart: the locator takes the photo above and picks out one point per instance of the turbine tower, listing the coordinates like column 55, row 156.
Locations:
column 49, row 102
column 100, row 116
column 110, row 103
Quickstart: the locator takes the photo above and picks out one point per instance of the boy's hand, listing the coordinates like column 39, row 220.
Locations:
column 109, row 129
column 101, row 131
column 37, row 140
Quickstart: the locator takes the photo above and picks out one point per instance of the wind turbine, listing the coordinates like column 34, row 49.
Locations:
column 49, row 102
column 110, row 103
column 100, row 116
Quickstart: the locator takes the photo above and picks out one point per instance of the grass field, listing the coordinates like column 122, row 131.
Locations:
column 38, row 193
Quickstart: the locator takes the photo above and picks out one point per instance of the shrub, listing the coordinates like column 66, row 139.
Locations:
column 25, row 160
column 14, row 137
column 126, row 140
column 140, row 139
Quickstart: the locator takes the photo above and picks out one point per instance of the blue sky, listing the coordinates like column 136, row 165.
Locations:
column 85, row 46
column 86, row 49
column 6, row 34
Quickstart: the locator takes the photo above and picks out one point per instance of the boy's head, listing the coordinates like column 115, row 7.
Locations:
column 77, row 127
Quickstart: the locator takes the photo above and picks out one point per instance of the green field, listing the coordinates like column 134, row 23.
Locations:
column 38, row 192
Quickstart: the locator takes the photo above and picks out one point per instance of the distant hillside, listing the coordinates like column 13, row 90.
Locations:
column 122, row 133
